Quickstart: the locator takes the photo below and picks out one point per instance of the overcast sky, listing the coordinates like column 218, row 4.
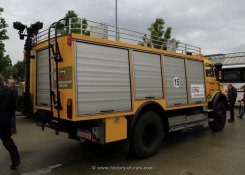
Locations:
column 215, row 26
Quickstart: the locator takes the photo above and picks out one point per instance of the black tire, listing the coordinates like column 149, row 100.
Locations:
column 219, row 116
column 147, row 135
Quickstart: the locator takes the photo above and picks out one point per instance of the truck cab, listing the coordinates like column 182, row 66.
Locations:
column 212, row 74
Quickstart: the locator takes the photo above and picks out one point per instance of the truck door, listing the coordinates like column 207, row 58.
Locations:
column 210, row 80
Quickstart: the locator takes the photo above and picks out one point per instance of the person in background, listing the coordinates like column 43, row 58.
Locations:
column 232, row 95
column 243, row 100
column 7, row 104
column 11, row 85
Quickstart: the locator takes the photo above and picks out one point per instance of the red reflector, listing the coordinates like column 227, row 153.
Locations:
column 69, row 108
column 69, row 102
column 68, row 40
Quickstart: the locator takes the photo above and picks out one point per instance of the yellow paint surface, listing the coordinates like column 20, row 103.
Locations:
column 116, row 129
column 67, row 53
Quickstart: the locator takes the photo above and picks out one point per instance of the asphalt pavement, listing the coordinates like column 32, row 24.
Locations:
column 195, row 152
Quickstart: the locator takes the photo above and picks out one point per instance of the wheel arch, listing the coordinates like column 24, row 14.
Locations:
column 150, row 106
column 217, row 98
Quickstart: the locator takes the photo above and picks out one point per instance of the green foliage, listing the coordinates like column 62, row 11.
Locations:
column 85, row 27
column 6, row 68
column 8, row 72
column 70, row 14
column 19, row 70
column 3, row 26
column 167, row 34
column 5, row 61
column 16, row 71
column 76, row 25
column 158, row 35
column 145, row 41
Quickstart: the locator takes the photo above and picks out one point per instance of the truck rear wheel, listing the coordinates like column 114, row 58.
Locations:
column 219, row 116
column 147, row 135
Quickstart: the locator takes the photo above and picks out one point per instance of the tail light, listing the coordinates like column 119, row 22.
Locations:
column 69, row 108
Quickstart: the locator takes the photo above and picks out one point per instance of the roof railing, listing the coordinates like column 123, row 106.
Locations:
column 110, row 32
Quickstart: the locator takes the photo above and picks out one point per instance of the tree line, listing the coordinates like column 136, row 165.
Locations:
column 7, row 69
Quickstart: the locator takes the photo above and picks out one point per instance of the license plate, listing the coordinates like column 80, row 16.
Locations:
column 84, row 134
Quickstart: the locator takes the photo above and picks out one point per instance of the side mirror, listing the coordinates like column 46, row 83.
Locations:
column 218, row 67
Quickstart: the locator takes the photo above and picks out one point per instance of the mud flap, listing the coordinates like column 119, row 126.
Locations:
column 44, row 117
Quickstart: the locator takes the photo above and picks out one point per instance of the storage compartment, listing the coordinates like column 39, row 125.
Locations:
column 147, row 75
column 195, row 81
column 175, row 81
column 102, row 79
column 42, row 73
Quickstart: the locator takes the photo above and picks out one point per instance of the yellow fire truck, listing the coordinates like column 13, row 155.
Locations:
column 103, row 90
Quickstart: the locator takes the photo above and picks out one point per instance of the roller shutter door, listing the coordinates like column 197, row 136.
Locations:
column 147, row 75
column 42, row 88
column 103, row 80
column 196, row 82
column 175, row 81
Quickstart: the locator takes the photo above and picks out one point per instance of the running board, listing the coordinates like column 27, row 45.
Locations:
column 184, row 122
column 203, row 123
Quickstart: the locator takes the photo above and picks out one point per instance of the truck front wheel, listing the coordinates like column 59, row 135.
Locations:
column 219, row 116
column 147, row 135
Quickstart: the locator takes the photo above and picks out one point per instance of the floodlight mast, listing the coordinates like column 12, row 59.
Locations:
column 31, row 31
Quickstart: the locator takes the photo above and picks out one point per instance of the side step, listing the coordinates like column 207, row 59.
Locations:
column 184, row 122
column 203, row 123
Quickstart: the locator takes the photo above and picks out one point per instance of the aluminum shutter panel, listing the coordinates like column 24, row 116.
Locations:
column 196, row 82
column 103, row 80
column 43, row 90
column 147, row 75
column 174, row 69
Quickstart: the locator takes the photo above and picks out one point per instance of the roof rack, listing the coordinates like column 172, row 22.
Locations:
column 110, row 32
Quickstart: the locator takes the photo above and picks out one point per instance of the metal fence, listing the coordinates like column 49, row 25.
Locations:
column 110, row 32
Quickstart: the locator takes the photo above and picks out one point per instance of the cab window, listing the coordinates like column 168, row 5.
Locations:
column 209, row 71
